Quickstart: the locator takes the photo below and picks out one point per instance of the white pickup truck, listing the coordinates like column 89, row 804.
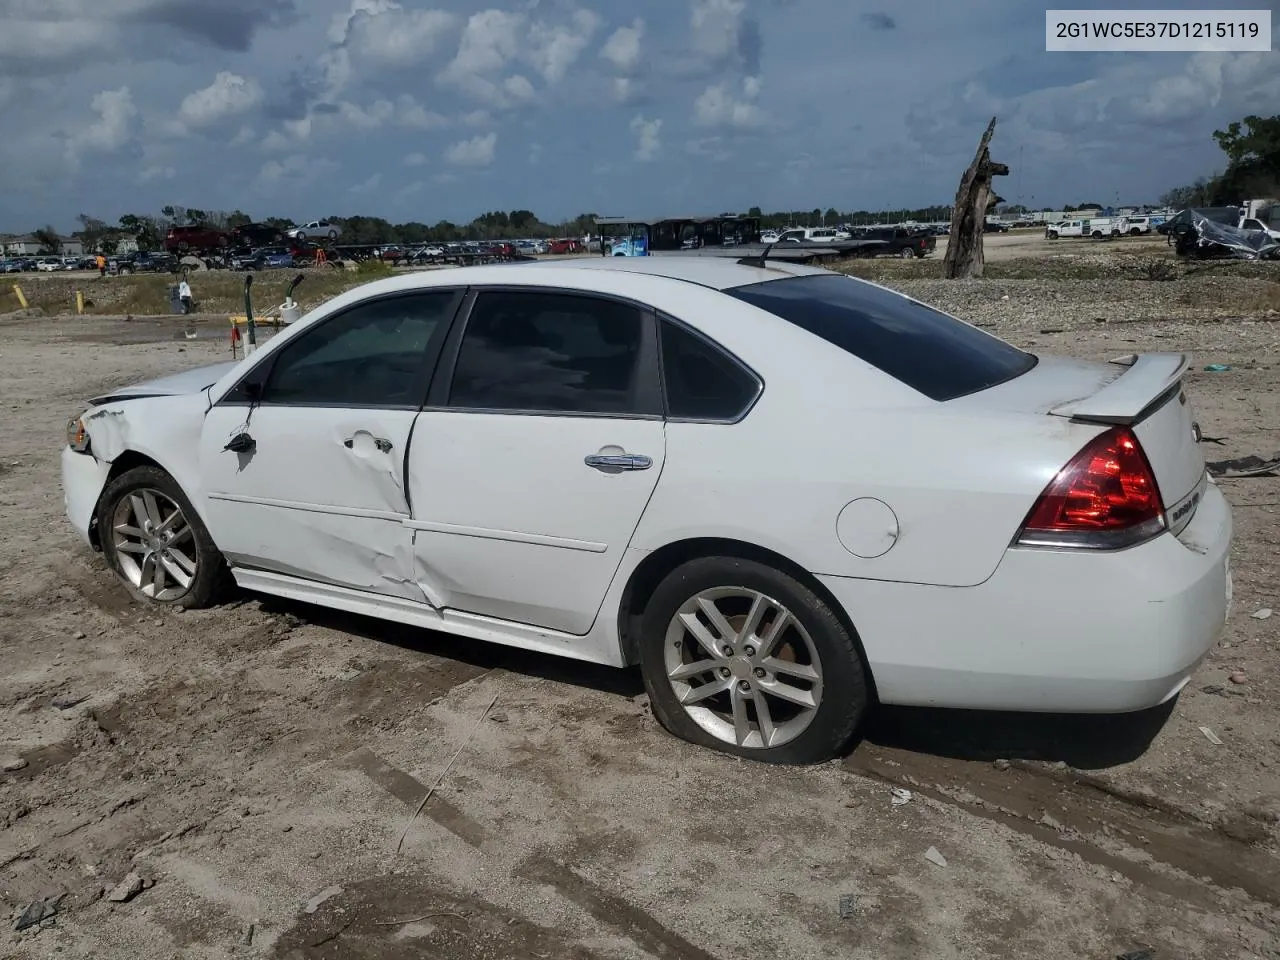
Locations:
column 1096, row 227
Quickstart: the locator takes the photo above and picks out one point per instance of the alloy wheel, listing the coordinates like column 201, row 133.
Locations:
column 743, row 667
column 154, row 546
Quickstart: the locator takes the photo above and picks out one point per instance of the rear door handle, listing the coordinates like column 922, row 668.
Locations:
column 626, row 461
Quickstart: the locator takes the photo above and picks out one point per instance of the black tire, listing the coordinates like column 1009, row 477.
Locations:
column 906, row 253
column 333, row 235
column 211, row 579
column 845, row 697
column 1097, row 234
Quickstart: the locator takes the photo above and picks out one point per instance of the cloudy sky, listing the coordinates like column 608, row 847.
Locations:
column 434, row 109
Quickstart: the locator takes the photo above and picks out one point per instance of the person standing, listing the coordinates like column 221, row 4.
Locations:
column 102, row 265
column 184, row 294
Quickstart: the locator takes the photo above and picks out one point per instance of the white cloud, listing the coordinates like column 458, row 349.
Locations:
column 409, row 190
column 717, row 106
column 489, row 40
column 152, row 174
column 535, row 153
column 415, row 160
column 494, row 41
column 335, row 119
column 297, row 170
column 229, row 95
column 477, row 118
column 113, row 128
column 477, row 152
column 622, row 49
column 367, row 186
column 553, row 49
column 390, row 35
column 413, row 116
column 647, row 132
column 715, row 26
column 518, row 88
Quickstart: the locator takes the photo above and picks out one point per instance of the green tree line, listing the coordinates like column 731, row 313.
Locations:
column 1252, row 150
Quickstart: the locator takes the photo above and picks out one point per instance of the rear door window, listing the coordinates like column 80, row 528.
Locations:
column 928, row 350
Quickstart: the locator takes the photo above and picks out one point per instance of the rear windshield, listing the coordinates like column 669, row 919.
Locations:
column 926, row 349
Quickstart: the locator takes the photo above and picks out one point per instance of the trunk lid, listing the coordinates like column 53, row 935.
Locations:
column 1143, row 392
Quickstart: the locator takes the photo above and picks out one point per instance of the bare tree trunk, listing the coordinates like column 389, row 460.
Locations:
column 964, row 246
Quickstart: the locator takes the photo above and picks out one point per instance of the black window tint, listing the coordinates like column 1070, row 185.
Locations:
column 702, row 382
column 924, row 348
column 551, row 352
column 372, row 355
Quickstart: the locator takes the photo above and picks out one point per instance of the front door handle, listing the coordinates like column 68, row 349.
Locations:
column 626, row 461
column 384, row 446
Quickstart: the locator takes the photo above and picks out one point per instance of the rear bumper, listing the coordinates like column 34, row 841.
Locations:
column 1053, row 630
column 83, row 478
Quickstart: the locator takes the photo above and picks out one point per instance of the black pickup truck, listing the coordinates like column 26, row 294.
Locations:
column 897, row 242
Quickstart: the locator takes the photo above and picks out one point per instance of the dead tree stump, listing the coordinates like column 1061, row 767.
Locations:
column 964, row 246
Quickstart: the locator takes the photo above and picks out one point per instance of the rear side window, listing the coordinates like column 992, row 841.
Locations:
column 702, row 382
column 936, row 354
column 545, row 352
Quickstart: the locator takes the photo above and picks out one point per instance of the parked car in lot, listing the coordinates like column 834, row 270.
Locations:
column 274, row 258
column 11, row 266
column 147, row 262
column 315, row 230
column 989, row 529
column 899, row 242
column 48, row 265
column 251, row 235
column 195, row 238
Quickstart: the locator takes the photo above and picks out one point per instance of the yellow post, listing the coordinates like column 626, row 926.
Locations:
column 17, row 292
column 79, row 302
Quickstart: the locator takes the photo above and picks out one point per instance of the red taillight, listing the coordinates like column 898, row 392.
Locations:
column 1106, row 497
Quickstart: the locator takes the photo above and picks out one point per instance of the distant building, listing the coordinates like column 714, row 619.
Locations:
column 24, row 245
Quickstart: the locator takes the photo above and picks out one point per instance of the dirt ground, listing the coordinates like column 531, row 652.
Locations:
column 257, row 765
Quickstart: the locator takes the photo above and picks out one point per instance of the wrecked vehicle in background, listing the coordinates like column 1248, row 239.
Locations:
column 1208, row 239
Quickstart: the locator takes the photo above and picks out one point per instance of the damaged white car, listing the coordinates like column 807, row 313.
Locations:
column 784, row 493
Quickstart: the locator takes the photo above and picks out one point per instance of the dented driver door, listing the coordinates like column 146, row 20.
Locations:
column 303, row 462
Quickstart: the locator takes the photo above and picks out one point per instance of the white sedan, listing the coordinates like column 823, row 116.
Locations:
column 315, row 230
column 785, row 494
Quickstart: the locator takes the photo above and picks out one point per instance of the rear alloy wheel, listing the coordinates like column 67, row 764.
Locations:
column 907, row 253
column 744, row 659
column 156, row 543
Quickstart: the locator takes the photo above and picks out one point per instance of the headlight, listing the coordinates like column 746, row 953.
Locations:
column 77, row 436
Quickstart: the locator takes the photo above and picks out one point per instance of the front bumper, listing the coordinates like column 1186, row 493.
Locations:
column 1053, row 630
column 83, row 478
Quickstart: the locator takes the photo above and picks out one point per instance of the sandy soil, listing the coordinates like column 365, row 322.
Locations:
column 257, row 764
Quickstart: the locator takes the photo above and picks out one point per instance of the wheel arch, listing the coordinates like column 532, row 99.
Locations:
column 654, row 568
column 128, row 460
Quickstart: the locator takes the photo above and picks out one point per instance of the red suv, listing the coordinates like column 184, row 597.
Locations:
column 199, row 237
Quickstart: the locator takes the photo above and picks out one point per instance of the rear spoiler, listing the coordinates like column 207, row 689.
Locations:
column 1143, row 387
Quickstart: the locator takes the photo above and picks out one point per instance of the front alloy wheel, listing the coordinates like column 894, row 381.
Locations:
column 743, row 668
column 154, row 545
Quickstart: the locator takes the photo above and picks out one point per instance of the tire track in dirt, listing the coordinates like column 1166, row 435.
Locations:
column 1102, row 825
